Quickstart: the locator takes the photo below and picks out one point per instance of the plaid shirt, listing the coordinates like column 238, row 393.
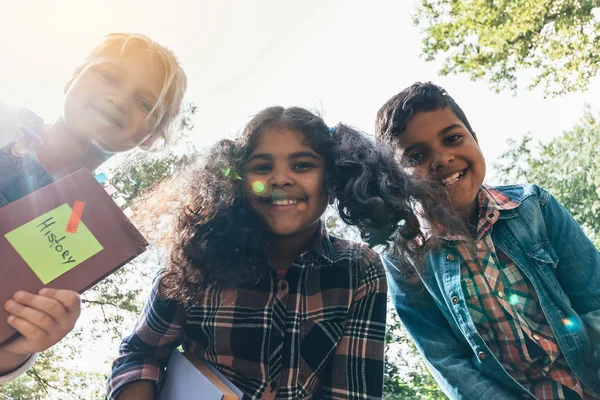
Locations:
column 317, row 331
column 507, row 314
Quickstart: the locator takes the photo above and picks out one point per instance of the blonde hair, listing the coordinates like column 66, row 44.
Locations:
column 169, row 102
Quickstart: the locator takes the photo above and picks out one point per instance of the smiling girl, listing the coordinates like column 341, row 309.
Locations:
column 256, row 285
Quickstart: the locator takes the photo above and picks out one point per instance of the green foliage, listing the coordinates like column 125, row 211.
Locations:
column 500, row 41
column 137, row 170
column 405, row 377
column 568, row 167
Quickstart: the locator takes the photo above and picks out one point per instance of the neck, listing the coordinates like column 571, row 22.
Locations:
column 283, row 250
column 470, row 217
column 62, row 153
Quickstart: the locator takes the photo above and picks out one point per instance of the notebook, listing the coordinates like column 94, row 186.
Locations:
column 188, row 377
column 67, row 235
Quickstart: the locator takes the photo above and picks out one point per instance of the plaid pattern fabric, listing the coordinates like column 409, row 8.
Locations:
column 317, row 331
column 506, row 311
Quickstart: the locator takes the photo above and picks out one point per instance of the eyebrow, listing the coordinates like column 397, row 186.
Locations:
column 440, row 133
column 299, row 154
column 143, row 92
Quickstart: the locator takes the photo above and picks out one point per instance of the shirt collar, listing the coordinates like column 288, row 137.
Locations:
column 490, row 203
column 321, row 244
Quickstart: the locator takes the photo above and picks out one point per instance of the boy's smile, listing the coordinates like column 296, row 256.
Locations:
column 438, row 145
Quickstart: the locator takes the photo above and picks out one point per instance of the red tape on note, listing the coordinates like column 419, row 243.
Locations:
column 75, row 217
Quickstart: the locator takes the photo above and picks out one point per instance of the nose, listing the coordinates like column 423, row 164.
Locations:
column 119, row 101
column 281, row 178
column 441, row 159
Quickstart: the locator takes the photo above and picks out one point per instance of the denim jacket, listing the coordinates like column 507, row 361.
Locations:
column 561, row 263
column 19, row 176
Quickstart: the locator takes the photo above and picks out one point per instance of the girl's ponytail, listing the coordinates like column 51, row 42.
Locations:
column 375, row 194
column 372, row 191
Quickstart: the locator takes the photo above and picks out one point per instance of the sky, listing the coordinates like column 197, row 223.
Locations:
column 344, row 58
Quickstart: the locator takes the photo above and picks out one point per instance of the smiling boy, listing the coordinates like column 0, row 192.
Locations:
column 511, row 309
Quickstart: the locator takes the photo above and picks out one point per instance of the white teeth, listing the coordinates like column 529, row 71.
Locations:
column 452, row 178
column 284, row 202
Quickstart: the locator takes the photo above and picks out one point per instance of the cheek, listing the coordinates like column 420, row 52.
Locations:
column 320, row 192
column 421, row 171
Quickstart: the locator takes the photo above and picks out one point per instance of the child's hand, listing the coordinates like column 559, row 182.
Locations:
column 42, row 320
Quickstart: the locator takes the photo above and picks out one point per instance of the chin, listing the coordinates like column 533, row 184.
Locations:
column 283, row 231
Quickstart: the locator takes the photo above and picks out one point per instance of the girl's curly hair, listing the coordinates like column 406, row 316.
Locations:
column 220, row 241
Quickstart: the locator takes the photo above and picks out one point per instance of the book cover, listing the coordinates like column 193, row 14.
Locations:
column 67, row 235
column 188, row 377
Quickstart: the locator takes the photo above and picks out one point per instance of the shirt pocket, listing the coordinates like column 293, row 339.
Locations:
column 543, row 255
column 545, row 259
column 321, row 329
column 317, row 349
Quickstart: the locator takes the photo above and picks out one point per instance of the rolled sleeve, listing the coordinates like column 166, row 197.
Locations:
column 19, row 371
column 143, row 354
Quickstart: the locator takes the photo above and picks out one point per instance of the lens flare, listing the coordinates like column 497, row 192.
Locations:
column 568, row 323
column 259, row 187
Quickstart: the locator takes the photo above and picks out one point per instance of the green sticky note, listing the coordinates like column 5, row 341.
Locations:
column 48, row 249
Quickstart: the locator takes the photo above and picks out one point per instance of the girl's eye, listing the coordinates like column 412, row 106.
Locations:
column 145, row 106
column 261, row 168
column 303, row 166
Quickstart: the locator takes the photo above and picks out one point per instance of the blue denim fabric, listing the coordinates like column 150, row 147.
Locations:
column 19, row 176
column 563, row 266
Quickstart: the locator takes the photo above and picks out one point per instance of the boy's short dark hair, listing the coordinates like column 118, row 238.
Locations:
column 393, row 117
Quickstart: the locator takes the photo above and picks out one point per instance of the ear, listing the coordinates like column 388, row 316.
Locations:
column 68, row 85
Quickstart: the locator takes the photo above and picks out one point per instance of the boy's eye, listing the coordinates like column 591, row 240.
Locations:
column 303, row 166
column 453, row 138
column 416, row 157
column 261, row 168
column 108, row 77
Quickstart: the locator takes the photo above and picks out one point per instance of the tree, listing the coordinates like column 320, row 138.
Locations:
column 406, row 376
column 502, row 41
column 568, row 167
column 137, row 170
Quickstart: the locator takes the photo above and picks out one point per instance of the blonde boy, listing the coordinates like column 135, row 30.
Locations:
column 126, row 94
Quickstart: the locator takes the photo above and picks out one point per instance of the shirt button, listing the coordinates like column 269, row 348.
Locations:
column 482, row 355
column 491, row 215
column 500, row 294
column 450, row 257
column 536, row 337
column 479, row 246
column 455, row 299
column 546, row 369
